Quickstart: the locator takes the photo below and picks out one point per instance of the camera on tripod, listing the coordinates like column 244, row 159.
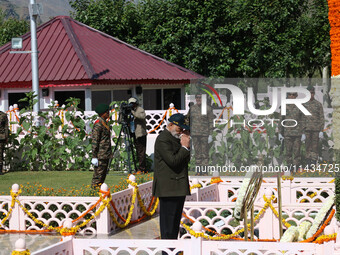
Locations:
column 125, row 114
column 126, row 119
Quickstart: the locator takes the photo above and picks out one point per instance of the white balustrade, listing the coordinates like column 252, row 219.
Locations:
column 205, row 203
column 153, row 118
column 302, row 198
column 195, row 246
column 216, row 214
column 64, row 247
column 53, row 211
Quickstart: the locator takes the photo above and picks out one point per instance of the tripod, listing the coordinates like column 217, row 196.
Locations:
column 129, row 146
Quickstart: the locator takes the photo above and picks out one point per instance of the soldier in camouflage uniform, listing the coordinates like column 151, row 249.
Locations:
column 201, row 127
column 101, row 145
column 292, row 135
column 3, row 137
column 314, row 127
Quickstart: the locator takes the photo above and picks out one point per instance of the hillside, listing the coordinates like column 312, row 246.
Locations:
column 19, row 8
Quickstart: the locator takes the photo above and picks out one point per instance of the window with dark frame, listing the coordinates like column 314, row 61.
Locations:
column 100, row 97
column 62, row 96
column 152, row 99
column 13, row 98
column 172, row 96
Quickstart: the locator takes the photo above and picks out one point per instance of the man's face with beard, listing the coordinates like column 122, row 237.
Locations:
column 175, row 130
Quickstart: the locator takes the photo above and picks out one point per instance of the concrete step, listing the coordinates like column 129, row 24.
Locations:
column 146, row 230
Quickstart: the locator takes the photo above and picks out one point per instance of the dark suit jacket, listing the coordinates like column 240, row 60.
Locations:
column 171, row 167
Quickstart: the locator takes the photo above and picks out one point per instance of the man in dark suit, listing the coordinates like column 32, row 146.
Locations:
column 171, row 182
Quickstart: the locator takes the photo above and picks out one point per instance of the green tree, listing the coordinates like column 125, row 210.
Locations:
column 11, row 27
column 118, row 18
column 315, row 42
column 220, row 38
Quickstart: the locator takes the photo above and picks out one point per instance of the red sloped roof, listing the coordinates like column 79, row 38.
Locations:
column 72, row 53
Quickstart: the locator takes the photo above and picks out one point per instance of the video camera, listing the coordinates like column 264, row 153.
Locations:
column 125, row 115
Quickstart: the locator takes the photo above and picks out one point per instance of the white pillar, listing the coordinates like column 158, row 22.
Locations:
column 103, row 219
column 16, row 220
column 196, row 243
column 67, row 224
column 132, row 178
column 195, row 190
column 5, row 105
column 265, row 225
column 325, row 86
column 34, row 53
column 88, row 99
column 184, row 107
column 20, row 245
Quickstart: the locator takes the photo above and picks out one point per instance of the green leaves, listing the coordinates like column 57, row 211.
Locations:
column 10, row 28
column 51, row 145
column 220, row 38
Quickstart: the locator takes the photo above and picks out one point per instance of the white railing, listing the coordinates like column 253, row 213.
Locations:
column 213, row 205
column 294, row 191
column 153, row 123
column 302, row 198
column 194, row 246
column 62, row 248
column 218, row 198
column 53, row 211
column 153, row 118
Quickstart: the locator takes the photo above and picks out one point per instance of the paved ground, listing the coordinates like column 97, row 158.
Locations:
column 33, row 242
column 146, row 230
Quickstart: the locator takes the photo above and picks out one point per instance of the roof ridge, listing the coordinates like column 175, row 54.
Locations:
column 65, row 20
column 135, row 48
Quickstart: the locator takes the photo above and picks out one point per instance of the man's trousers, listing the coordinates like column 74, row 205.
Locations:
column 171, row 209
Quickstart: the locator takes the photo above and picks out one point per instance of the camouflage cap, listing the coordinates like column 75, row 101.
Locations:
column 311, row 88
column 101, row 108
column 292, row 94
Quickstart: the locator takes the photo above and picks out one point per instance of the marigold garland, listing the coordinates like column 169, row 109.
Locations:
column 163, row 118
column 14, row 196
column 215, row 180
column 314, row 194
column 195, row 186
column 66, row 231
column 287, row 178
column 276, row 213
column 222, row 236
column 27, row 252
column 141, row 204
column 325, row 238
column 140, row 201
column 132, row 206
column 105, row 203
column 268, row 203
column 311, row 239
column 334, row 21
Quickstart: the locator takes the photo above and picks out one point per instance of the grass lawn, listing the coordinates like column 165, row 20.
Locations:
column 62, row 182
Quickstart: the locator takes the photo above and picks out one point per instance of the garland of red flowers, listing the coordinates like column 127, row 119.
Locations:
column 334, row 21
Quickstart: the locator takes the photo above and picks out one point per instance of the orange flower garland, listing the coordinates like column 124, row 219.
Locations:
column 334, row 20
